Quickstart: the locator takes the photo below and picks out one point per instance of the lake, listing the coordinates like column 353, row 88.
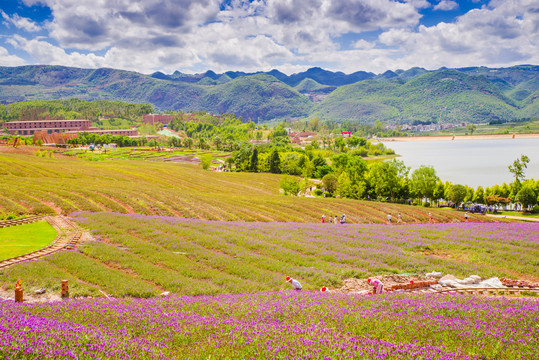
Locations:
column 470, row 162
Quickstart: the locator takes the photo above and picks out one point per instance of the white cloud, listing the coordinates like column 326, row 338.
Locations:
column 363, row 45
column 46, row 53
column 291, row 35
column 246, row 34
column 20, row 22
column 446, row 5
column 419, row 4
column 501, row 34
column 9, row 60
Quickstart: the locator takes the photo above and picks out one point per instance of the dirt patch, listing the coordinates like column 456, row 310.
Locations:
column 30, row 296
column 437, row 255
column 361, row 286
column 184, row 159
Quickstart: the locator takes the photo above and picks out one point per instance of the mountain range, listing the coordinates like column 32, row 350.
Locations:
column 472, row 94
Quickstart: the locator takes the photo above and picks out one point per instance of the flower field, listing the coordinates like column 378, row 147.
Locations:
column 31, row 184
column 144, row 255
column 277, row 325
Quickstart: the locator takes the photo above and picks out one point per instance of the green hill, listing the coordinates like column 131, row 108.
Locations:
column 257, row 97
column 260, row 96
column 311, row 86
column 443, row 96
column 474, row 94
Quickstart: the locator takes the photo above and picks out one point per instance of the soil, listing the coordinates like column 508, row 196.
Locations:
column 361, row 286
column 30, row 296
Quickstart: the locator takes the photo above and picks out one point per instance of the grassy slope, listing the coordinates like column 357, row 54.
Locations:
column 445, row 96
column 145, row 255
column 41, row 185
column 22, row 239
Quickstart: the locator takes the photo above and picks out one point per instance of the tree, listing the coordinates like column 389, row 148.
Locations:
column 253, row 166
column 518, row 167
column 188, row 142
column 275, row 163
column 217, row 141
column 340, row 144
column 526, row 196
column 423, row 181
column 456, row 193
column 439, row 191
column 290, row 185
column 339, row 161
column 388, row 178
column 469, row 193
column 330, row 183
column 471, row 128
column 356, row 168
column 479, row 195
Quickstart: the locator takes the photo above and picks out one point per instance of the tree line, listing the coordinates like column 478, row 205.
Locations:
column 349, row 176
column 73, row 109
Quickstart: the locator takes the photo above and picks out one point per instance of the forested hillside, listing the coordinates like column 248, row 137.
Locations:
column 475, row 94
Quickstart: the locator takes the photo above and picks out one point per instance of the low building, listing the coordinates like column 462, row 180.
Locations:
column 49, row 126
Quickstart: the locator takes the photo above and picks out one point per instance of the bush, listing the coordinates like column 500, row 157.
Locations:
column 536, row 209
column 317, row 192
column 426, row 204
column 205, row 161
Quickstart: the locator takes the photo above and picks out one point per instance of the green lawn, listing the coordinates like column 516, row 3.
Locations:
column 22, row 239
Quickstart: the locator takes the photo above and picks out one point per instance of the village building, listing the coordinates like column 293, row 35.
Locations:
column 49, row 126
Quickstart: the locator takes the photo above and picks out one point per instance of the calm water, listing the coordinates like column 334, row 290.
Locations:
column 471, row 162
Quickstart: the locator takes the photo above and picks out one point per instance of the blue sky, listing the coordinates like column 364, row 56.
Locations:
column 193, row 36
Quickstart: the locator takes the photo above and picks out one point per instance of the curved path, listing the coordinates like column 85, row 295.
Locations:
column 69, row 236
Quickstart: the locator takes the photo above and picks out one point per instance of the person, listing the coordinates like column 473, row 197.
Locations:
column 343, row 219
column 323, row 219
column 335, row 221
column 430, row 217
column 377, row 286
column 466, row 216
column 295, row 284
column 399, row 219
column 389, row 219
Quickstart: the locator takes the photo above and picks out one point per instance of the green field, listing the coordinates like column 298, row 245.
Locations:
column 32, row 184
column 22, row 239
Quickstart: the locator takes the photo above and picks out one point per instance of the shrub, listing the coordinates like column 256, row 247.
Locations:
column 317, row 192
column 205, row 161
column 426, row 204
column 536, row 209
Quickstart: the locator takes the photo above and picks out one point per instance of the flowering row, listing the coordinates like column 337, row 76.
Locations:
column 288, row 325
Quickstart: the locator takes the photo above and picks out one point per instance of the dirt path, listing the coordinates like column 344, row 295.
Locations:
column 524, row 218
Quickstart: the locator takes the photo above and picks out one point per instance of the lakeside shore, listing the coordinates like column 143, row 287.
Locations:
column 457, row 137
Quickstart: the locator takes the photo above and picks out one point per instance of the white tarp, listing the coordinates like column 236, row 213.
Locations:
column 473, row 281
